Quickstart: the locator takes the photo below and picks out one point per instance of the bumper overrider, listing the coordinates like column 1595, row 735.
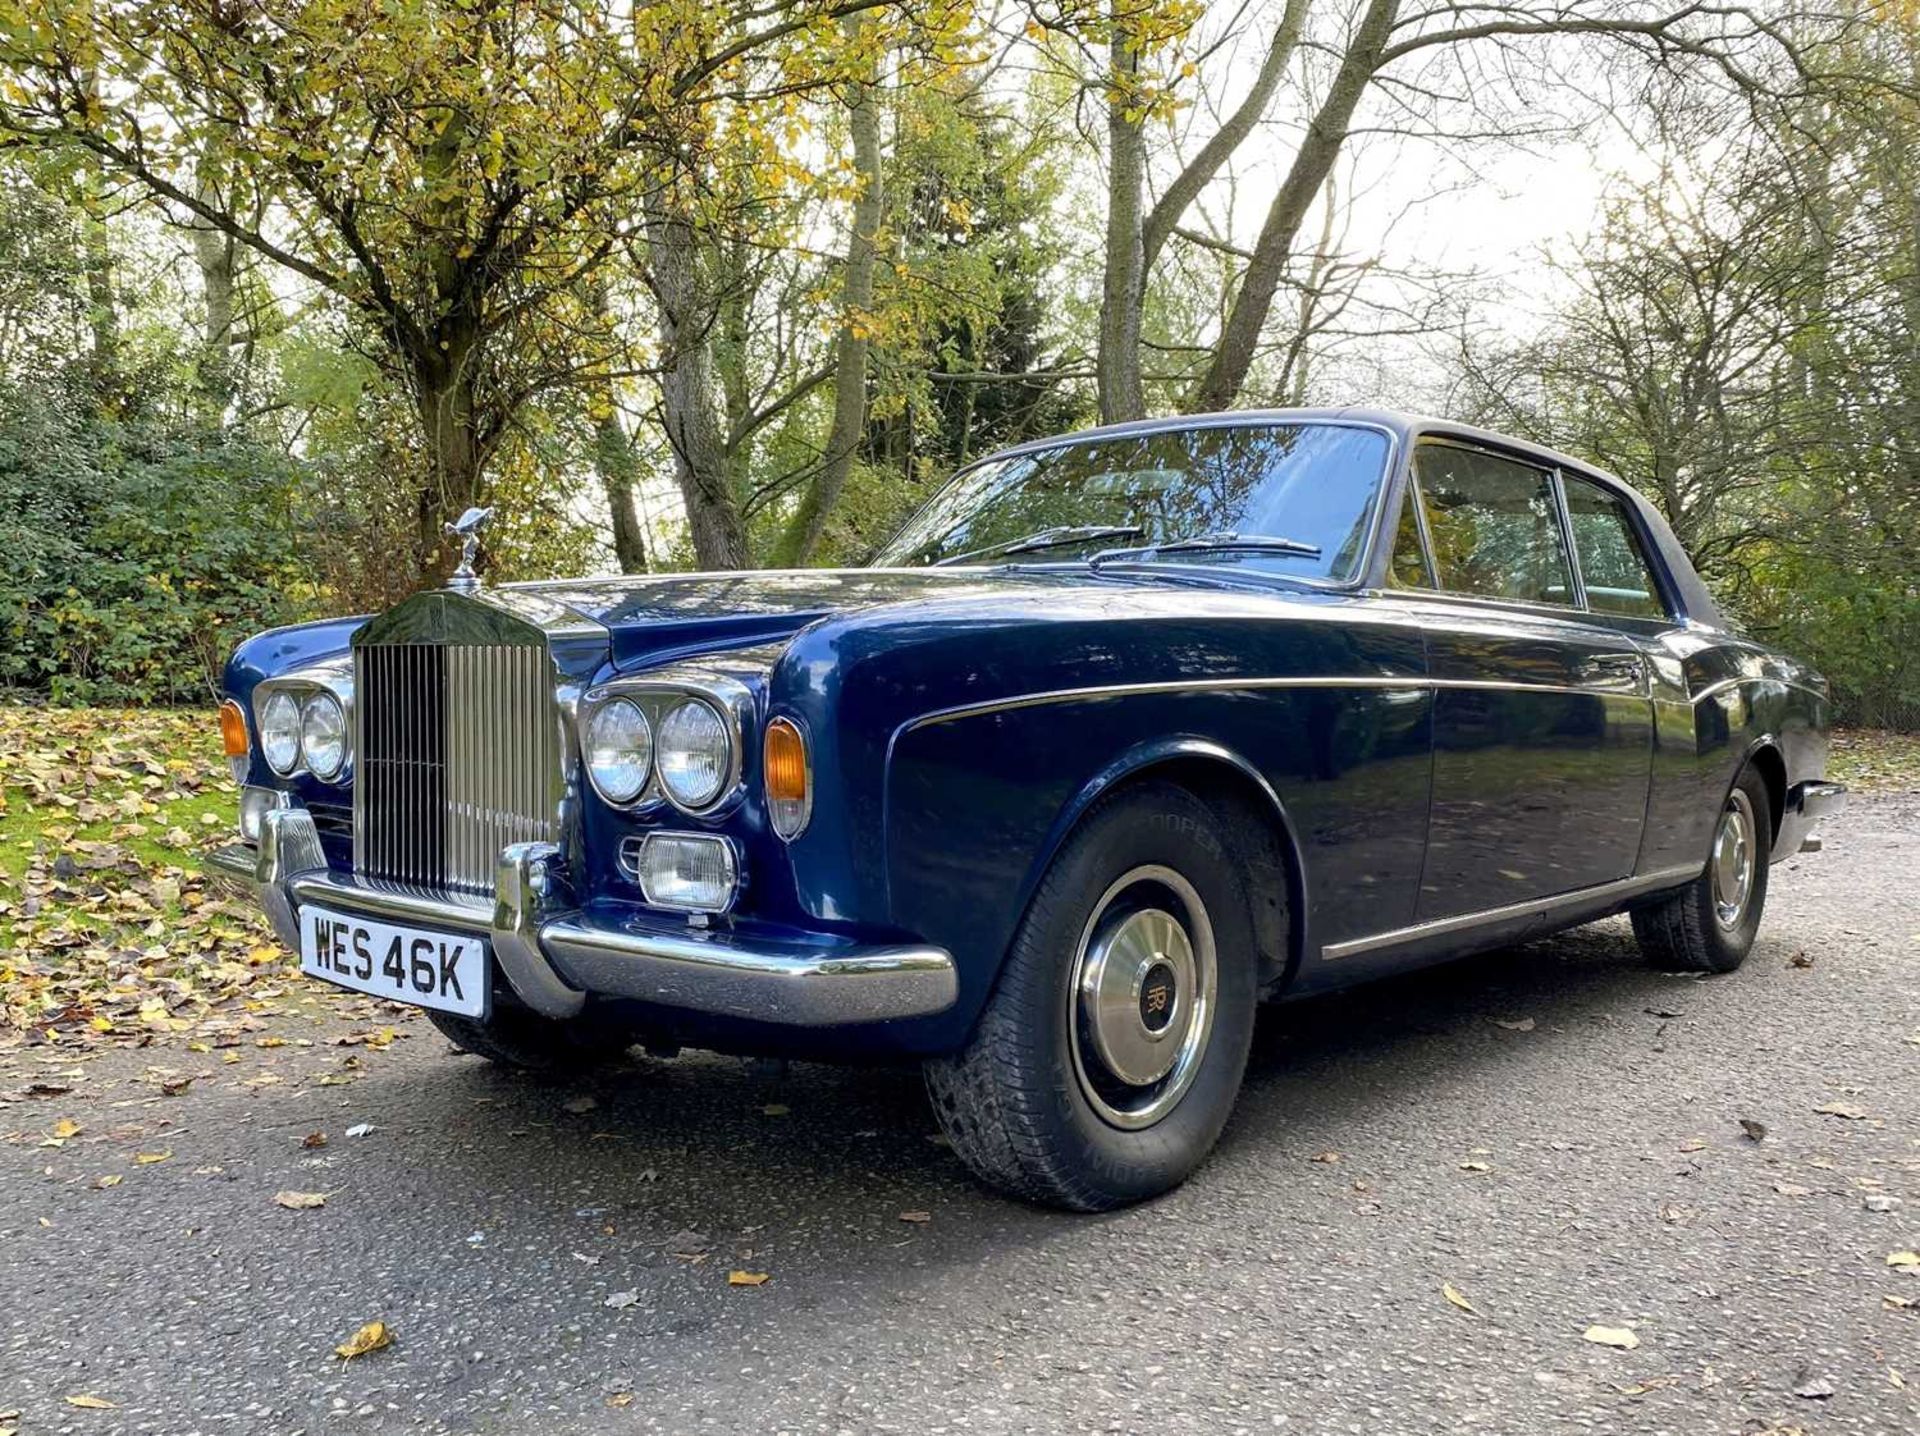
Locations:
column 554, row 957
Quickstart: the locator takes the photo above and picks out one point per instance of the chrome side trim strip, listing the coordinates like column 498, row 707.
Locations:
column 1223, row 685
column 1725, row 683
column 1535, row 907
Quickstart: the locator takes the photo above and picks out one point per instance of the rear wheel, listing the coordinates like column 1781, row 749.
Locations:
column 1110, row 1054
column 1710, row 925
column 515, row 1037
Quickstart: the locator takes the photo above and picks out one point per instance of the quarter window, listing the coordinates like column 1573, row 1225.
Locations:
column 1408, row 568
column 1494, row 526
column 1612, row 562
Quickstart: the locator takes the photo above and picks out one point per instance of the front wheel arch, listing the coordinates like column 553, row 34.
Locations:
column 1255, row 820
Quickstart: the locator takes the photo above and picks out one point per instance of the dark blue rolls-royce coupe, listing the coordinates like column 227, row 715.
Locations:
column 1121, row 735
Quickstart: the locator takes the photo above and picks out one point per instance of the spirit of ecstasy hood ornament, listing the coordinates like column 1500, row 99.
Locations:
column 467, row 528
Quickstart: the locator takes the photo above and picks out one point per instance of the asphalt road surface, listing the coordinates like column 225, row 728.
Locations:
column 1553, row 1133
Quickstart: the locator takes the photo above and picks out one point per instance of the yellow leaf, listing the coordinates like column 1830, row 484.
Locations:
column 1906, row 1261
column 66, row 1127
column 90, row 1403
column 147, row 1159
column 370, row 1337
column 101, row 1024
column 112, row 1179
column 300, row 1201
column 1618, row 1336
column 746, row 1278
column 1453, row 1294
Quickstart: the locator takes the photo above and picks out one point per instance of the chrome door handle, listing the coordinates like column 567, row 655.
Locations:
column 1623, row 671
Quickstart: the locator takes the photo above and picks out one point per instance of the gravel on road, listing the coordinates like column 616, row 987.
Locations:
column 1438, row 1194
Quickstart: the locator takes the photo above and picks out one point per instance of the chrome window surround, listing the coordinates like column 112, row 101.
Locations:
column 334, row 677
column 659, row 693
column 631, row 845
column 1561, row 476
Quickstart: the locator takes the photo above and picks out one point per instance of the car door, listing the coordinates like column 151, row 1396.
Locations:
column 1542, row 725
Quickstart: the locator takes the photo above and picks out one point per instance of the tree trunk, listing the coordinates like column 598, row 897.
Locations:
column 1240, row 335
column 1179, row 196
column 446, row 397
column 1124, row 287
column 691, row 414
column 802, row 535
column 614, row 461
column 213, row 253
column 613, row 458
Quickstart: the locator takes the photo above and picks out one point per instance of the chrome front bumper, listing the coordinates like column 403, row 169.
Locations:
column 553, row 959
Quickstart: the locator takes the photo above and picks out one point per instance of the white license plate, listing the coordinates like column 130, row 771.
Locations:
column 447, row 970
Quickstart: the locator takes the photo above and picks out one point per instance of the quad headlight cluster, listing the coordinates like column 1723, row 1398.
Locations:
column 304, row 729
column 690, row 758
column 673, row 744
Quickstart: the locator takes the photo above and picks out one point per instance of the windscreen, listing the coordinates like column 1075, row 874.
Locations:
column 1316, row 483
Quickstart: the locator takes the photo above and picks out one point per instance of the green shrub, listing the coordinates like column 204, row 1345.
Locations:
column 134, row 556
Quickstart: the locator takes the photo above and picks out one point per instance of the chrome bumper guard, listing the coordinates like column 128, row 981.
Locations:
column 543, row 953
column 1816, row 800
column 1812, row 801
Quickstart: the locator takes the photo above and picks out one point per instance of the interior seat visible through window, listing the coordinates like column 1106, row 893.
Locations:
column 1494, row 526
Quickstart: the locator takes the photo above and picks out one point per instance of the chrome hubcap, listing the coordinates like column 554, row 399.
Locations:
column 1735, row 852
column 1142, row 996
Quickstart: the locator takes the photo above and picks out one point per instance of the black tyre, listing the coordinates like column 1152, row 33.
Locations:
column 1109, row 1056
column 1709, row 925
column 515, row 1037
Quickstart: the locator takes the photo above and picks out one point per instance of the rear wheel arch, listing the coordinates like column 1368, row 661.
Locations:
column 1766, row 760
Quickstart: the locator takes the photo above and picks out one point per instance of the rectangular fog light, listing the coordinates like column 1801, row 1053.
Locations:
column 689, row 872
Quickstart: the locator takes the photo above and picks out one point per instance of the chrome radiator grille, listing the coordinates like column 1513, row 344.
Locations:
column 458, row 753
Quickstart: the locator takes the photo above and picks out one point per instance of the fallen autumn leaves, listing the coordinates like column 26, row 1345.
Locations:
column 110, row 936
column 109, row 931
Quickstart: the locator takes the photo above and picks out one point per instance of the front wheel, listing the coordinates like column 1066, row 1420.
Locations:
column 1108, row 1059
column 1710, row 925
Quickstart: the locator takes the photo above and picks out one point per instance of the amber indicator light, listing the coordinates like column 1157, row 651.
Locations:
column 786, row 767
column 233, row 729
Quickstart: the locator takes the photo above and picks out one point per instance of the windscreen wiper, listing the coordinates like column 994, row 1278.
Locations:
column 1207, row 543
column 1058, row 537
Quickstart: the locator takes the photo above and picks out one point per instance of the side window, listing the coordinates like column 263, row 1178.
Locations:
column 1618, row 577
column 1408, row 567
column 1494, row 524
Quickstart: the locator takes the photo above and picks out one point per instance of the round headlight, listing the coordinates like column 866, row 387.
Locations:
column 280, row 733
column 696, row 754
column 619, row 746
column 323, row 736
